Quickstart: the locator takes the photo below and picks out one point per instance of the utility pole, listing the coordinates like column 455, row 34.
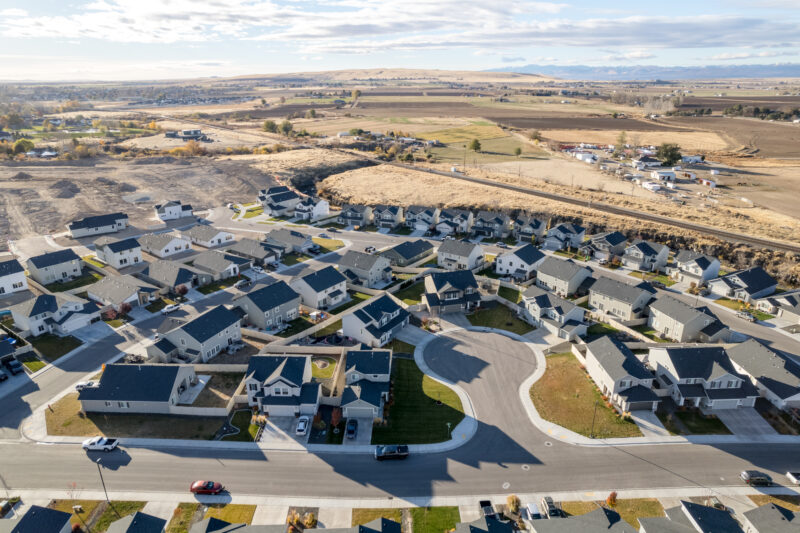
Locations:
column 591, row 434
column 100, row 471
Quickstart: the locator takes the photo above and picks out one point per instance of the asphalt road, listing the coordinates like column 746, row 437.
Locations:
column 507, row 454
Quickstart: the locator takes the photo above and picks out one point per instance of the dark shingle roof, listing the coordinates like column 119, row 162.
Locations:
column 688, row 256
column 171, row 273
column 459, row 279
column 391, row 209
column 529, row 254
column 44, row 303
column 210, row 323
column 612, row 238
column 366, row 391
column 53, row 258
column 752, row 280
column 214, row 261
column 710, row 519
column 647, row 248
column 411, row 249
column 267, row 368
column 252, row 248
column 528, row 220
column 133, row 383
column 369, row 361
column 116, row 245
column 10, row 266
column 547, row 300
column 157, row 241
column 138, row 523
column 37, row 520
column 323, row 279
column 569, row 228
column 707, row 362
column 677, row 310
column 116, row 289
column 771, row 518
column 202, row 232
column 773, row 371
column 617, row 360
column 97, row 221
column 272, row 296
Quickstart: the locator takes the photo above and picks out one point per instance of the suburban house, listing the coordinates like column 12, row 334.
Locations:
column 421, row 218
column 12, row 276
column 269, row 307
column 387, row 216
column 207, row 236
column 691, row 517
column 489, row 224
column 599, row 520
column 701, row 376
column 40, row 519
column 528, row 228
column 119, row 253
column 604, row 246
column 138, row 522
column 220, row 265
column 564, row 235
column 646, row 256
column 355, row 215
column 215, row 525
column 368, row 270
column 367, row 374
column 520, row 263
column 312, row 209
column 281, row 385
column 563, row 277
column 454, row 221
column 173, row 210
column 97, row 225
column 785, row 305
column 278, row 201
column 694, row 266
column 771, row 518
column 621, row 300
column 61, row 265
column 557, row 315
column 258, row 252
column 745, row 285
column 115, row 290
column 170, row 275
column 620, row 375
column 379, row 525
column 164, row 245
column 775, row 376
column 288, row 241
column 459, row 255
column 200, row 339
column 680, row 322
column 408, row 252
column 60, row 313
column 151, row 389
column 376, row 323
column 450, row 292
column 322, row 289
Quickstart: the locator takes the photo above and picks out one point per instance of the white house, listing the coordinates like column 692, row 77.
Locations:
column 60, row 313
column 560, row 317
column 97, row 225
column 173, row 210
column 520, row 263
column 454, row 221
column 312, row 209
column 561, row 277
column 367, row 374
column 376, row 323
column 622, row 300
column 421, row 218
column 565, row 235
column 61, row 265
column 746, row 285
column 459, row 255
column 119, row 253
column 281, row 385
column 646, row 256
column 279, row 200
column 164, row 244
column 208, row 236
column 694, row 267
column 12, row 276
column 323, row 289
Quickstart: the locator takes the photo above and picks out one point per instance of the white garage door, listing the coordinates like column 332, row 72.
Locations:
column 358, row 412
column 280, row 410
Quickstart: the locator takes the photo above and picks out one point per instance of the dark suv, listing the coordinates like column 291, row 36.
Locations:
column 754, row 477
column 351, row 429
column 14, row 366
column 382, row 453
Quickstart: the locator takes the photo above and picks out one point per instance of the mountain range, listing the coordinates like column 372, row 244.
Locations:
column 649, row 72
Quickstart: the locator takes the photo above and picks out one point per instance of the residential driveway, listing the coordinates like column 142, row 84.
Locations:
column 413, row 335
column 745, row 422
column 93, row 332
column 364, row 434
column 417, row 233
column 649, row 423
column 451, row 320
column 279, row 433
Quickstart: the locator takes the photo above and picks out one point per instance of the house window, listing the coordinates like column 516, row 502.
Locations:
column 252, row 386
column 731, row 384
column 123, row 405
column 109, row 404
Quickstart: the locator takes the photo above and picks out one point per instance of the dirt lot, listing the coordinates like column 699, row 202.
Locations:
column 689, row 141
column 771, row 139
column 581, row 123
column 719, row 103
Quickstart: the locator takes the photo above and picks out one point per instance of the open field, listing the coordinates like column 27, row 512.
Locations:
column 691, row 141
column 771, row 139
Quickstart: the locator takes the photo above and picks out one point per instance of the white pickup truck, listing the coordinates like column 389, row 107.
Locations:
column 100, row 444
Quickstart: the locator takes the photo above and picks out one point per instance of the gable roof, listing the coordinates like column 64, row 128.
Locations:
column 252, row 248
column 529, row 254
column 171, row 273
column 37, row 520
column 491, row 217
column 213, row 261
column 617, row 359
column 116, row 289
column 97, row 221
column 612, row 238
column 286, row 236
column 559, row 268
column 709, row 519
column 548, row 300
column 455, row 247
column 454, row 214
column 528, row 220
column 373, row 312
column 366, row 391
column 752, row 280
column 162, row 208
column 411, row 249
column 354, row 209
column 369, row 361
column 679, row 311
column 359, row 260
column 569, row 228
column 773, row 371
column 272, row 295
column 45, row 303
column 133, row 383
column 457, row 279
column 486, row 525
column 391, row 209
column 210, row 323
column 420, row 209
column 771, row 518
column 116, row 245
column 138, row 522
column 53, row 258
column 688, row 256
column 323, row 279
column 203, row 232
column 10, row 266
column 379, row 525
column 596, row 521
column 707, row 362
column 268, row 368
column 647, row 248
column 157, row 241
column 619, row 290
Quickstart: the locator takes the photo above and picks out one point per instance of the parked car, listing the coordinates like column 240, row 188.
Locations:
column 550, row 509
column 257, row 269
column 302, row 425
column 324, row 236
column 206, row 487
column 351, row 429
column 3, row 375
column 14, row 366
column 533, row 511
column 794, row 477
column 754, row 477
column 170, row 308
column 744, row 315
column 241, row 284
column 84, row 385
column 370, row 249
column 333, row 230
column 486, row 509
column 100, row 444
column 501, row 244
column 382, row 453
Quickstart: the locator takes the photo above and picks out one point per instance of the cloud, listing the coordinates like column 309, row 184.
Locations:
column 628, row 56
column 729, row 56
column 509, row 59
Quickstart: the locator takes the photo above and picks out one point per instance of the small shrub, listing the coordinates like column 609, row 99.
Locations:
column 513, row 503
column 611, row 500
column 309, row 520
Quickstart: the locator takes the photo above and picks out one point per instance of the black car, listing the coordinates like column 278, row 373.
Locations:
column 486, row 509
column 14, row 366
column 351, row 430
column 383, row 453
column 3, row 376
column 550, row 509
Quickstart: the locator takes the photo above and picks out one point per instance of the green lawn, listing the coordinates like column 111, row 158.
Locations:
column 113, row 512
column 250, row 213
column 218, row 285
column 630, row 510
column 601, row 328
column 159, row 304
column 698, row 424
column 402, row 230
column 89, row 507
column 355, row 299
column 434, row 519
column 92, row 260
column 86, row 279
column 414, row 416
column 489, row 273
column 364, row 516
column 651, row 276
column 329, row 329
column 412, row 294
column 31, row 362
column 761, row 315
column 328, row 245
column 649, row 332
column 500, row 317
column 117, row 322
column 182, row 517
column 399, row 346
column 51, row 346
column 512, row 295
column 296, row 326
column 247, row 431
column 333, row 225
column 294, row 258
column 669, row 423
column 566, row 396
column 372, row 228
column 327, row 371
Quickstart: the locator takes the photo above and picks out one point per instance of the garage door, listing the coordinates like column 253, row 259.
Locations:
column 358, row 412
column 640, row 406
column 280, row 410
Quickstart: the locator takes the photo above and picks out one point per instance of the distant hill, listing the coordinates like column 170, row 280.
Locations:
column 402, row 75
column 647, row 72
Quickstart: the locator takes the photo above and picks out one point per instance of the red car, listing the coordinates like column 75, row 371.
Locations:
column 206, row 487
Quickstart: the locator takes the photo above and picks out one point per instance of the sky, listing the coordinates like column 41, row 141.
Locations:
column 168, row 39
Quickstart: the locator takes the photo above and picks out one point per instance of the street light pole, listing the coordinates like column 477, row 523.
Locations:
column 591, row 434
column 103, row 482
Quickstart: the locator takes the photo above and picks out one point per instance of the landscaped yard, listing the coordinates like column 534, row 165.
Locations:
column 86, row 279
column 434, row 519
column 159, row 304
column 182, row 517
column 323, row 367
column 328, row 245
column 650, row 276
column 218, row 285
column 333, row 225
column 566, row 396
column 355, row 299
column 92, row 260
column 398, row 346
column 601, row 329
column 64, row 418
column 231, row 512
column 737, row 305
column 699, row 424
column 789, row 501
column 89, row 508
column 364, row 516
column 31, row 362
column 219, row 389
column 412, row 294
column 113, row 512
column 415, row 417
column 294, row 258
column 117, row 322
column 296, row 326
column 51, row 347
column 512, row 295
column 630, row 510
column 402, row 230
column 649, row 332
column 499, row 317
column 329, row 329
column 668, row 421
column 253, row 212
column 489, row 273
column 247, row 431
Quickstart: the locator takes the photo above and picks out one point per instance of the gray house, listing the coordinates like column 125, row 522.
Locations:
column 115, row 290
column 565, row 235
column 520, row 263
column 646, row 256
column 680, row 322
column 694, row 267
column 270, row 307
column 600, row 520
column 745, row 285
column 97, row 225
column 785, row 305
column 207, row 236
column 365, row 269
column 289, row 241
column 367, row 374
column 620, row 375
column 119, row 253
column 60, row 313
column 604, row 246
column 490, row 224
column 219, row 264
column 278, row 201
column 421, row 218
column 451, row 292
column 322, row 289
column 771, row 518
column 281, row 385
column 355, row 215
column 776, row 376
column 138, row 522
column 459, row 255
column 408, row 252
column 376, row 323
column 40, row 520
column 387, row 216
column 454, row 221
column 200, row 339
column 151, row 389
column 61, row 265
column 260, row 253
column 170, row 275
column 562, row 277
column 691, row 517
column 555, row 314
column 528, row 228
column 164, row 244
column 622, row 300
